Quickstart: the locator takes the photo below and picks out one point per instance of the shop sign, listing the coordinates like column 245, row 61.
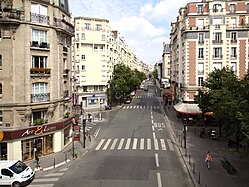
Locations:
column 1, row 135
column 39, row 130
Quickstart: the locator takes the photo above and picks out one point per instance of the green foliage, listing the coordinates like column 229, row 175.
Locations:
column 155, row 73
column 227, row 97
column 124, row 81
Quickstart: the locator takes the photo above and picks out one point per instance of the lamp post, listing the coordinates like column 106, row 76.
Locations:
column 84, row 132
column 185, row 131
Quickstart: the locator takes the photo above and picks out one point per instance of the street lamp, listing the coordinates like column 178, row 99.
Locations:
column 84, row 132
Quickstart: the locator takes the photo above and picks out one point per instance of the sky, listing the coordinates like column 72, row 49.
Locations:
column 144, row 24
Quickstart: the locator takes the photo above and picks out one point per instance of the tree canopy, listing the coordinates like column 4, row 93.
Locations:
column 227, row 97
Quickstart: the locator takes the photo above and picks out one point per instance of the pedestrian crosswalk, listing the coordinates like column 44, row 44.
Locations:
column 144, row 96
column 135, row 144
column 47, row 180
column 140, row 107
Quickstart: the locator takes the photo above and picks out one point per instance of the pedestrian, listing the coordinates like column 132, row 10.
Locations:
column 208, row 159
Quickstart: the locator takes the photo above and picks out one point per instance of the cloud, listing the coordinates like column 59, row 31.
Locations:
column 145, row 24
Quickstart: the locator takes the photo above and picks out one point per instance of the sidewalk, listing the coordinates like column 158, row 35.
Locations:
column 195, row 153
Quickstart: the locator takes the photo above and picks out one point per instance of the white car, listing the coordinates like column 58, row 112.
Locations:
column 15, row 173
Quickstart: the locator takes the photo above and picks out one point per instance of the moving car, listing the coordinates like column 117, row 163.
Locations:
column 15, row 173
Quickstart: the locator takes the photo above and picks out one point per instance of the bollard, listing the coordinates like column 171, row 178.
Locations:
column 66, row 157
column 193, row 167
column 186, row 152
column 199, row 178
column 189, row 159
column 54, row 162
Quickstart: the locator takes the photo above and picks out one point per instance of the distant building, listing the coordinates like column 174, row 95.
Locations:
column 35, row 77
column 165, row 80
column 207, row 35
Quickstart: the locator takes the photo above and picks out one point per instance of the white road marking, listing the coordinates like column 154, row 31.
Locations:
column 159, row 181
column 121, row 143
column 153, row 128
column 106, row 144
column 54, row 174
column 64, row 169
column 142, row 143
column 128, row 143
column 100, row 144
column 40, row 185
column 134, row 144
column 152, row 121
column 163, row 144
column 157, row 160
column 114, row 143
column 149, row 144
column 46, row 179
column 156, row 144
column 171, row 147
column 97, row 132
column 154, row 135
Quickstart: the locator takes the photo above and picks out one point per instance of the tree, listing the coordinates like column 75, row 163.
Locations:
column 226, row 99
column 155, row 73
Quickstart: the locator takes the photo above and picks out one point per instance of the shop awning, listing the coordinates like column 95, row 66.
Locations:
column 187, row 108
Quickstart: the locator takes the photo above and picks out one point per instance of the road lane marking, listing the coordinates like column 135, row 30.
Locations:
column 46, row 179
column 163, row 144
column 121, row 143
column 54, row 174
column 134, row 144
column 113, row 144
column 156, row 144
column 97, row 132
column 157, row 160
column 159, row 181
column 154, row 135
column 40, row 185
column 100, row 144
column 142, row 143
column 128, row 143
column 171, row 147
column 106, row 144
column 148, row 144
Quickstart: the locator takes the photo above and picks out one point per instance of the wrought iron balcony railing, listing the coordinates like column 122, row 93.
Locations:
column 38, row 18
column 42, row 97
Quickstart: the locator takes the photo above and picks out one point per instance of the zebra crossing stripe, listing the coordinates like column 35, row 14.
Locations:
column 170, row 144
column 149, row 144
column 121, row 143
column 163, row 144
column 156, row 144
column 142, row 143
column 128, row 143
column 100, row 144
column 106, row 144
column 46, row 180
column 113, row 144
column 40, row 185
column 134, row 144
column 54, row 174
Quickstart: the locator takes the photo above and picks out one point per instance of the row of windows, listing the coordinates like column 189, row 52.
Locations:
column 217, row 51
column 89, row 26
column 218, row 8
column 217, row 36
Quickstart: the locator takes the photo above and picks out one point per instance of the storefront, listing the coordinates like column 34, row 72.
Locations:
column 46, row 139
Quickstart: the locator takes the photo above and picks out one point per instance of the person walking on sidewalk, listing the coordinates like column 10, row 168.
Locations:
column 208, row 159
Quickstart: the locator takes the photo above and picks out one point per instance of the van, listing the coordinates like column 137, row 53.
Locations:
column 15, row 173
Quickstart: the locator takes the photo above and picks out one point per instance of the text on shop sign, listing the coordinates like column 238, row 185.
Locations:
column 38, row 130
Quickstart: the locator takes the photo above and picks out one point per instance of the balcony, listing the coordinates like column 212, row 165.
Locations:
column 201, row 42
column 233, row 41
column 217, row 41
column 11, row 15
column 65, row 72
column 42, row 45
column 40, row 72
column 42, row 97
column 64, row 25
column 233, row 56
column 65, row 49
column 38, row 18
column 217, row 57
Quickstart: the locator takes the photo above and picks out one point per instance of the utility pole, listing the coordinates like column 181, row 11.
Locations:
column 84, row 132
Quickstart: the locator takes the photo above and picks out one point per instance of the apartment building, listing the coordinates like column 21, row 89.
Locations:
column 35, row 77
column 206, row 35
column 97, row 49
column 166, row 66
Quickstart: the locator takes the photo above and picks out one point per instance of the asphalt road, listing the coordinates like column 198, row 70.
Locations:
column 133, row 148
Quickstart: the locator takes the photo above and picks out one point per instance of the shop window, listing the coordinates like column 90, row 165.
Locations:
column 27, row 149
column 48, row 147
column 66, row 135
column 3, row 151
